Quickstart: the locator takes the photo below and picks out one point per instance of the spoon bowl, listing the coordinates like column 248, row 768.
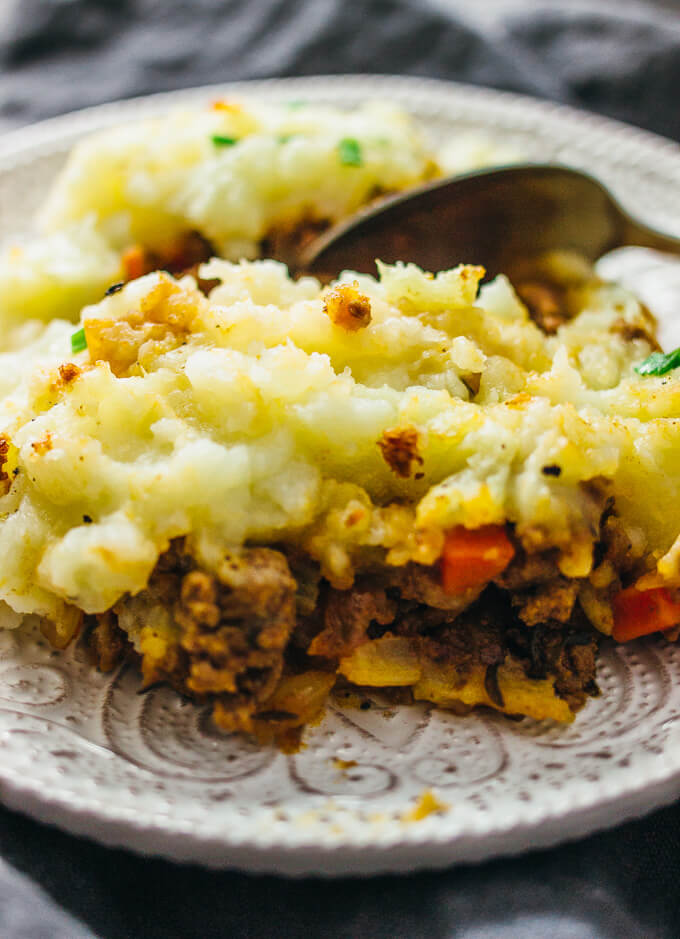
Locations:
column 501, row 218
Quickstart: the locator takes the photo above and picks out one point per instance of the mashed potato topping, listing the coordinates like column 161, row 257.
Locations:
column 251, row 417
column 235, row 172
column 232, row 171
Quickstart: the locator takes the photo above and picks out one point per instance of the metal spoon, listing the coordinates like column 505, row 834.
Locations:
column 499, row 218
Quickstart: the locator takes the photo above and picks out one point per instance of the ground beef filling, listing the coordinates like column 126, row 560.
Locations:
column 545, row 302
column 266, row 618
column 286, row 242
column 231, row 627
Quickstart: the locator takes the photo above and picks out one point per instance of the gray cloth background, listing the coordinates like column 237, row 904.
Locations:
column 620, row 59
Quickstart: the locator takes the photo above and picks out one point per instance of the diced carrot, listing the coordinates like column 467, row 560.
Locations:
column 135, row 262
column 471, row 557
column 640, row 612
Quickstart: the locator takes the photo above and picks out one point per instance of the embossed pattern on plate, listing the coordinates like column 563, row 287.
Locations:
column 85, row 751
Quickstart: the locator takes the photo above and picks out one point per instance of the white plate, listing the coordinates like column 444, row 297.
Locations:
column 86, row 752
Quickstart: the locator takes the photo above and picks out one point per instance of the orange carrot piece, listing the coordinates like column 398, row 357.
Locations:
column 135, row 262
column 471, row 557
column 640, row 612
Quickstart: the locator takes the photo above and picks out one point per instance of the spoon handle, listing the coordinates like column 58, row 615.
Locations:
column 635, row 233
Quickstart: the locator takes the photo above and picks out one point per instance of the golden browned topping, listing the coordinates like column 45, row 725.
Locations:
column 347, row 307
column 399, row 448
column 163, row 320
column 68, row 372
column 44, row 445
column 5, row 480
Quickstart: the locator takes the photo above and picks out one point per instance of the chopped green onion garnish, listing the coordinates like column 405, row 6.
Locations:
column 78, row 341
column 220, row 141
column 349, row 151
column 294, row 105
column 658, row 363
column 284, row 138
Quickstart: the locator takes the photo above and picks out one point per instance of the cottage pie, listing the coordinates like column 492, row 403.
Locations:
column 265, row 489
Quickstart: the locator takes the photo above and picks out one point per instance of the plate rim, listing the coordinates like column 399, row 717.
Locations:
column 420, row 849
column 340, row 860
column 18, row 139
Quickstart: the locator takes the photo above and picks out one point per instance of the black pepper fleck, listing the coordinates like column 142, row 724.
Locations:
column 365, row 705
column 552, row 470
column 114, row 288
column 87, row 519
